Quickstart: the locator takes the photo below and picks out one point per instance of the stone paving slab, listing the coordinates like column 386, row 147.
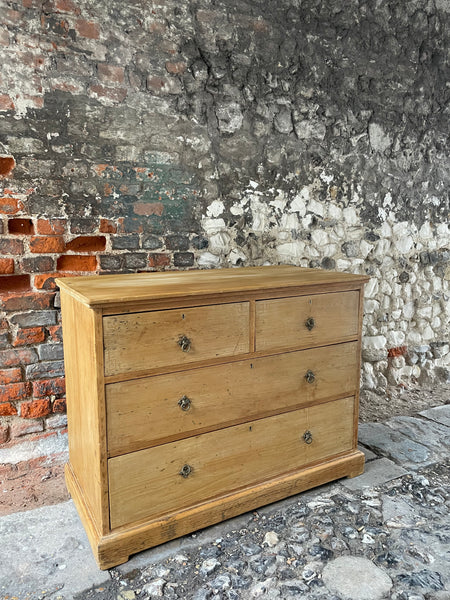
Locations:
column 431, row 434
column 46, row 550
column 376, row 473
column 441, row 414
column 368, row 454
column 394, row 445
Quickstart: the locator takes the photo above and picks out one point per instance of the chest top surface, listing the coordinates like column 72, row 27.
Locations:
column 134, row 287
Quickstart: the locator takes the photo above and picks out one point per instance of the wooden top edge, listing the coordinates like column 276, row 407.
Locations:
column 134, row 287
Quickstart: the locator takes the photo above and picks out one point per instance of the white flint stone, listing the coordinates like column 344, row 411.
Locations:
column 350, row 215
column 271, row 539
column 375, row 342
column 334, row 212
column 219, row 241
column 404, row 244
column 215, row 209
column 211, row 226
column 371, row 289
column 291, row 250
column 378, row 138
column 316, row 207
column 319, row 237
column 207, row 259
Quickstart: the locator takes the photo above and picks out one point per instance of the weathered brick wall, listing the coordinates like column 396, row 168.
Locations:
column 167, row 134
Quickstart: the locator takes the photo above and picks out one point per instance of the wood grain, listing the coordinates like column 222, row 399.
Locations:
column 86, row 418
column 281, row 323
column 148, row 483
column 145, row 412
column 135, row 287
column 151, row 339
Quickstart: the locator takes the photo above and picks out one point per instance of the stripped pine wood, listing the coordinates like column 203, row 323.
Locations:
column 148, row 483
column 196, row 396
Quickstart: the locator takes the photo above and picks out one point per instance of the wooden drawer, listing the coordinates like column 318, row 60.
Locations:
column 161, row 480
column 144, row 412
column 306, row 320
column 149, row 340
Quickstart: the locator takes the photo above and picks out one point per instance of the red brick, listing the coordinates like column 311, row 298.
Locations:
column 7, row 164
column 114, row 94
column 15, row 358
column 31, row 335
column 14, row 391
column 77, row 263
column 46, row 245
column 46, row 281
column 176, row 68
column 21, row 226
column 107, row 226
column 55, row 332
column 6, row 266
column 59, row 405
column 4, row 434
column 399, row 351
column 158, row 260
column 49, row 387
column 9, row 206
column 14, row 283
column 7, row 409
column 87, row 243
column 61, row 6
column 87, row 29
column 19, row 427
column 35, row 409
column 6, row 102
column 30, row 301
column 110, row 73
column 51, row 226
column 11, row 246
column 10, row 376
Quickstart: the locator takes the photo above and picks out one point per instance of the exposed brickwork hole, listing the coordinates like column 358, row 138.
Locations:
column 14, row 283
column 21, row 226
column 7, row 164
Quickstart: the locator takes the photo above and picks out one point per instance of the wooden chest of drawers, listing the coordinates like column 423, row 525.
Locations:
column 196, row 396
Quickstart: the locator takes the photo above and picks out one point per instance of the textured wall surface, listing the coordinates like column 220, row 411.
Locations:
column 167, row 134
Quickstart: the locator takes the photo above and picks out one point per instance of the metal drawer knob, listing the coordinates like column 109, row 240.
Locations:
column 184, row 343
column 186, row 470
column 307, row 437
column 310, row 377
column 310, row 323
column 184, row 403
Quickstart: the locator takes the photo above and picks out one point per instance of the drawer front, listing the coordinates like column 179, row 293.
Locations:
column 306, row 320
column 149, row 340
column 147, row 411
column 174, row 476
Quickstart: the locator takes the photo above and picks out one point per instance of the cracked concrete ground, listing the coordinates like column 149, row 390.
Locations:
column 385, row 534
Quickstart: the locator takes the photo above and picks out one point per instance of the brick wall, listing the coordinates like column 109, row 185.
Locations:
column 170, row 135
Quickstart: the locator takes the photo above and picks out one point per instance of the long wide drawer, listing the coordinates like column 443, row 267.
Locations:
column 161, row 338
column 174, row 476
column 306, row 320
column 144, row 412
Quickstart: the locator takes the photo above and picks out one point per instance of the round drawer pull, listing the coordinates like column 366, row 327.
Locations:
column 185, row 343
column 184, row 403
column 310, row 377
column 186, row 470
column 307, row 437
column 310, row 323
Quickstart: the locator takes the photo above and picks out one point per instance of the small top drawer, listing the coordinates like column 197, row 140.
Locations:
column 304, row 321
column 163, row 338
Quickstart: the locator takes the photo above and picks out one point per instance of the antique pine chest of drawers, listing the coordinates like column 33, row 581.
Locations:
column 196, row 396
